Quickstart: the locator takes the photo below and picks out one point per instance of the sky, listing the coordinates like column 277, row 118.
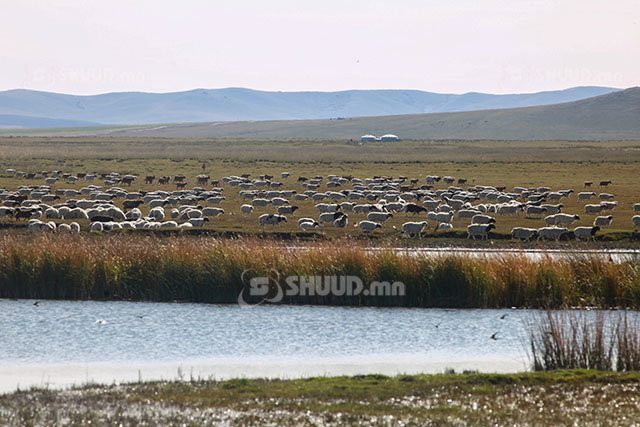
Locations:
column 449, row 46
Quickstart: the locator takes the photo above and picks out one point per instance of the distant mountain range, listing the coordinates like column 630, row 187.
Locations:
column 33, row 109
column 613, row 116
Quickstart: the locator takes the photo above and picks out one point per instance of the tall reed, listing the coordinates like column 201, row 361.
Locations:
column 204, row 269
column 585, row 340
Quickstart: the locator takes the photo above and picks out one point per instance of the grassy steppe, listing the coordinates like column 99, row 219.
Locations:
column 557, row 164
column 549, row 398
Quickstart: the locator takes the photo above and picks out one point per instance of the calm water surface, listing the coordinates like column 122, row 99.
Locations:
column 65, row 342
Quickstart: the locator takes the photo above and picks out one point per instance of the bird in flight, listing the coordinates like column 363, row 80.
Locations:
column 494, row 336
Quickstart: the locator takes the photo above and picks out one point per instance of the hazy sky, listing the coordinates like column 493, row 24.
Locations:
column 499, row 46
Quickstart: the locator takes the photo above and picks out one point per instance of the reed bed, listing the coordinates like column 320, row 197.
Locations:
column 604, row 340
column 203, row 269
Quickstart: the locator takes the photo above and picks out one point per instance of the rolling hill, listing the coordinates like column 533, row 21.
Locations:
column 33, row 109
column 606, row 117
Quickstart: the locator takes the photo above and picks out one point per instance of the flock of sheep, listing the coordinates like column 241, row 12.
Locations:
column 369, row 202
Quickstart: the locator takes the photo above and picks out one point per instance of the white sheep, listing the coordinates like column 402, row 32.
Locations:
column 305, row 225
column 533, row 211
column 479, row 230
column 379, row 216
column 588, row 233
column 198, row 222
column 443, row 217
column 523, row 233
column 553, row 209
column 246, row 209
column 327, row 207
column 77, row 213
column 508, row 210
column 608, row 206
column 169, row 224
column 116, row 213
column 548, row 233
column 63, row 228
column 215, row 200
column 636, row 222
column 134, row 214
column 329, row 217
column 414, row 229
column 157, row 213
column 603, row 221
column 592, row 209
column 636, row 207
column 586, row 195
column 52, row 213
column 367, row 227
column 444, row 226
column 260, row 203
column 347, row 206
column 279, row 201
column 75, row 227
column 212, row 212
column 566, row 220
column 96, row 226
column 272, row 219
column 467, row 213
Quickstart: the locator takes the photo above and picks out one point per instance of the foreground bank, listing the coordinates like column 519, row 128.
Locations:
column 551, row 398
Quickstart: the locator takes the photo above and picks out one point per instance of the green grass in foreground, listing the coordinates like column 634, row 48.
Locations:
column 578, row 397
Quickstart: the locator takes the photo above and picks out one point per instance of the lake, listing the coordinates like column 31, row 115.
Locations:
column 59, row 343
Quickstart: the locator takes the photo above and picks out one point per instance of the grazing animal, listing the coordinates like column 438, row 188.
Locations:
column 287, row 210
column 414, row 209
column 523, row 234
column 305, row 225
column 588, row 233
column 479, row 230
column 342, row 221
column 198, row 222
column 368, row 227
column 329, row 217
column 555, row 233
column 592, row 209
column 586, row 195
column 272, row 219
column 379, row 216
column 605, row 183
column 603, row 221
column 130, row 204
column 566, row 220
column 414, row 229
